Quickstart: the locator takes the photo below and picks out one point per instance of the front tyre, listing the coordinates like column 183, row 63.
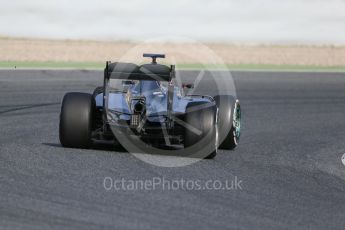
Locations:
column 76, row 120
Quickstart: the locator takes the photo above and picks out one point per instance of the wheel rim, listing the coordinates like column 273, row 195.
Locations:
column 236, row 121
column 217, row 133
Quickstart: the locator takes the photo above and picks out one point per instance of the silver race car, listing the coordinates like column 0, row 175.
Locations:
column 144, row 104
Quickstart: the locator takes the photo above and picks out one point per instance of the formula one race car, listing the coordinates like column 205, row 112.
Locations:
column 144, row 104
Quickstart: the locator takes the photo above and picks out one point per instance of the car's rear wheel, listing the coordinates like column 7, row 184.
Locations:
column 76, row 120
column 229, row 121
column 201, row 129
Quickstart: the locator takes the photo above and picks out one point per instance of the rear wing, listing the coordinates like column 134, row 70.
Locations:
column 153, row 72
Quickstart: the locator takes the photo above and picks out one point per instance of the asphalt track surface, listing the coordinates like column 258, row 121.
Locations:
column 288, row 162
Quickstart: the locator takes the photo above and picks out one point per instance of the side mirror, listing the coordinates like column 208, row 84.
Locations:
column 187, row 86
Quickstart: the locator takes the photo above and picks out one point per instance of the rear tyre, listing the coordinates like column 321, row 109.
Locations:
column 201, row 130
column 229, row 121
column 76, row 120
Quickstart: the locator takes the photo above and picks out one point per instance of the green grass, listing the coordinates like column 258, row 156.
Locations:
column 100, row 65
column 51, row 64
column 267, row 67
